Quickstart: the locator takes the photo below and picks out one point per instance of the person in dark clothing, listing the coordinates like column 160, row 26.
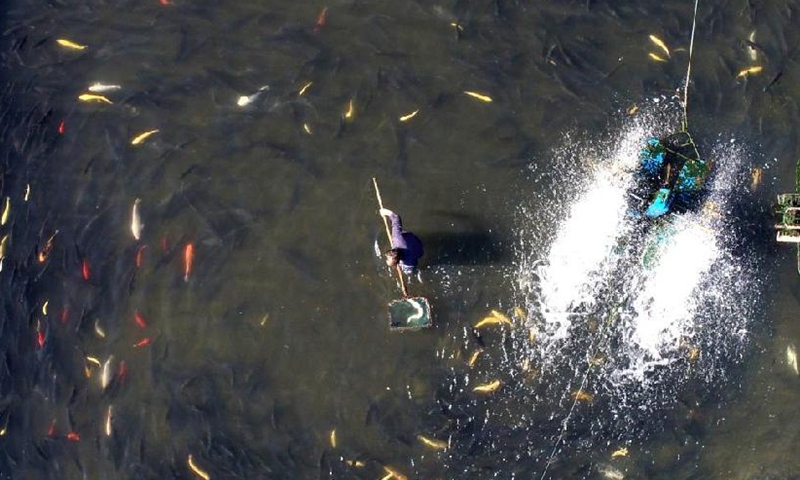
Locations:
column 406, row 247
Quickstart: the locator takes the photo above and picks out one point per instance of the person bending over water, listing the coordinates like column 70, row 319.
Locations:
column 406, row 247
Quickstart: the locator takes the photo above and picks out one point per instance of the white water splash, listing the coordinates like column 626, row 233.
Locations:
column 591, row 286
column 582, row 250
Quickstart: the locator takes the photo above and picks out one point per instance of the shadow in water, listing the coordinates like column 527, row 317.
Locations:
column 470, row 242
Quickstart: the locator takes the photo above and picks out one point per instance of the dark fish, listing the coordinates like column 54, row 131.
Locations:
column 302, row 262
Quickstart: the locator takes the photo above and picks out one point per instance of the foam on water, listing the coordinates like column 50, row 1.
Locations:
column 591, row 296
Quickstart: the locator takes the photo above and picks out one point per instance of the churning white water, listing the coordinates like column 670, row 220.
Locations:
column 590, row 295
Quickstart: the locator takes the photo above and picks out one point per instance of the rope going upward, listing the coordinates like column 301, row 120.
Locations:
column 689, row 70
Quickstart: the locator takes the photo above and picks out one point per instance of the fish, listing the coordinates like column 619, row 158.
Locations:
column 136, row 220
column 246, row 100
column 304, row 88
column 62, row 127
column 433, row 443
column 333, row 438
column 791, row 358
column 633, row 109
column 596, row 361
column 6, row 212
column 750, row 71
column 656, row 57
column 392, row 473
column 73, row 436
column 140, row 256
column 44, row 307
column 520, row 313
column 40, row 335
column 188, row 260
column 306, row 128
column 409, row 116
column 106, row 375
column 348, row 114
column 582, row 396
column 694, row 354
column 142, row 137
column 48, row 247
column 752, row 52
column 264, row 319
column 27, row 191
column 3, row 247
column 70, row 44
column 479, row 96
column 500, row 316
column 526, row 365
column 143, row 342
column 98, row 329
column 139, row 319
column 322, row 19
column 197, row 470
column 107, row 423
column 101, row 87
column 85, row 270
column 93, row 360
column 488, row 321
column 610, row 473
column 622, row 452
column 660, row 44
column 90, row 97
column 355, row 463
column 122, row 371
column 474, row 357
column 756, row 178
column 487, row 387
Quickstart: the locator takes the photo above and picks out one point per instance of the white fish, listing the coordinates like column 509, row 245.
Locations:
column 751, row 51
column 791, row 358
column 136, row 220
column 109, row 413
column 105, row 378
column 98, row 87
column 246, row 100
column 611, row 473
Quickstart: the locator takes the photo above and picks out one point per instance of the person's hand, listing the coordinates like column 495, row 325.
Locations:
column 385, row 212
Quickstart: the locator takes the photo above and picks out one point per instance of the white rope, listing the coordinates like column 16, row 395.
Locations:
column 689, row 71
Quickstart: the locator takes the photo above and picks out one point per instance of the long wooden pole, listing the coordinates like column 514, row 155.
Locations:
column 389, row 237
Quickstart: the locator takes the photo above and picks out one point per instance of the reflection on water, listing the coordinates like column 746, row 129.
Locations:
column 121, row 361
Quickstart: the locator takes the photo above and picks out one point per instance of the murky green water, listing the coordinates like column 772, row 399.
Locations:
column 280, row 335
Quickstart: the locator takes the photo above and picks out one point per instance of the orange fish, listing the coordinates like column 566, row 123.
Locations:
column 143, row 342
column 321, row 20
column 122, row 371
column 139, row 319
column 61, row 128
column 40, row 339
column 85, row 270
column 73, row 436
column 48, row 246
column 188, row 259
column 140, row 256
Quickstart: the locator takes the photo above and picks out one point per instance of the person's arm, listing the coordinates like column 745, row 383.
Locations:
column 397, row 232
